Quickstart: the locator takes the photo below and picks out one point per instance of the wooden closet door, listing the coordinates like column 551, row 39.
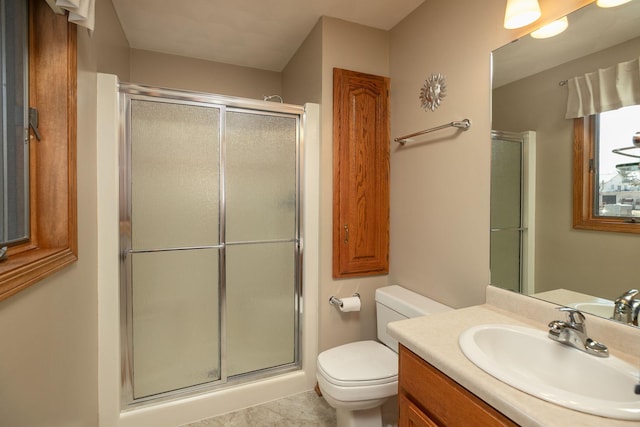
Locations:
column 361, row 174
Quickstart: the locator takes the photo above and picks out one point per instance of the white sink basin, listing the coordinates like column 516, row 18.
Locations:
column 528, row 360
column 601, row 309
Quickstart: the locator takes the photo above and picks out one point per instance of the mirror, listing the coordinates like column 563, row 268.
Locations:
column 553, row 261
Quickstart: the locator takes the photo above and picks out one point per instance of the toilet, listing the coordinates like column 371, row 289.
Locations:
column 358, row 378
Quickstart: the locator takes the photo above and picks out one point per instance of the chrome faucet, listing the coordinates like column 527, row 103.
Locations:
column 625, row 310
column 573, row 332
column 627, row 306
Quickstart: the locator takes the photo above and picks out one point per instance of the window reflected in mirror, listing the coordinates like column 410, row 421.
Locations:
column 617, row 171
column 606, row 181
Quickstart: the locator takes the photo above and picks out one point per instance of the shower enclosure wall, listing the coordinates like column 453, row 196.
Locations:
column 210, row 242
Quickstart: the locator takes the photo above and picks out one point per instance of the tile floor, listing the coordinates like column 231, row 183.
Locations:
column 301, row 410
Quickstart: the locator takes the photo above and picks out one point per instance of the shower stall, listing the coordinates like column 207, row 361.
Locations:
column 513, row 180
column 210, row 242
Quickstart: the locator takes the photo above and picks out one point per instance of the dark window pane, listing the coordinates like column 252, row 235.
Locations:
column 14, row 160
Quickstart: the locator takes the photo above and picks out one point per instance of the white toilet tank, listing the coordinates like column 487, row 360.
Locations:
column 397, row 303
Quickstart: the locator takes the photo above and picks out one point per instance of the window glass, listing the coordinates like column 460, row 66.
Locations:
column 14, row 155
column 617, row 187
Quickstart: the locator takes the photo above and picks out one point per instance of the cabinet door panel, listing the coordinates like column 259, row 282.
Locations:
column 441, row 399
column 361, row 174
column 412, row 416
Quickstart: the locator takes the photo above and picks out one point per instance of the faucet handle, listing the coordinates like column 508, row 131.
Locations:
column 627, row 297
column 627, row 306
column 574, row 316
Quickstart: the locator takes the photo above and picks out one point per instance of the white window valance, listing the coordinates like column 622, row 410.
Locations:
column 81, row 12
column 604, row 90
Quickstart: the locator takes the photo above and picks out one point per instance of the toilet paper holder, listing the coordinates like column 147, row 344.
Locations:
column 337, row 301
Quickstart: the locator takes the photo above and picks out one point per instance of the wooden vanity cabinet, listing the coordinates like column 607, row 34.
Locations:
column 428, row 398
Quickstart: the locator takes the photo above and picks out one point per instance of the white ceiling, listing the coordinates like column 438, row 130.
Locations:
column 261, row 34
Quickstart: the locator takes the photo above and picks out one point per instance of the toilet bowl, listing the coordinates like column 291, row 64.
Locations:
column 358, row 378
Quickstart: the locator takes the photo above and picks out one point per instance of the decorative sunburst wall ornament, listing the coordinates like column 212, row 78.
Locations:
column 434, row 89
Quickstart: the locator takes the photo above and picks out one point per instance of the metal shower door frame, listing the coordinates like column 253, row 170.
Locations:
column 129, row 92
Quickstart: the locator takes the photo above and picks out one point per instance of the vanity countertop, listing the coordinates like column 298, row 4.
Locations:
column 435, row 339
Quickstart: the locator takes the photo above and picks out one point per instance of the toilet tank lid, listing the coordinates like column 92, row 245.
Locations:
column 407, row 302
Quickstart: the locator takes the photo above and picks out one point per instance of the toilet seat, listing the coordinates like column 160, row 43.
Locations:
column 358, row 371
column 359, row 363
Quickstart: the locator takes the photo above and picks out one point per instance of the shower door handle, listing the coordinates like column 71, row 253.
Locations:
column 509, row 229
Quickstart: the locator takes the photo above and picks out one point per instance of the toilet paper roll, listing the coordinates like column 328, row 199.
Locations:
column 350, row 304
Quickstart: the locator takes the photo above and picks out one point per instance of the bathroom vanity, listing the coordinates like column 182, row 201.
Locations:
column 429, row 398
column 439, row 385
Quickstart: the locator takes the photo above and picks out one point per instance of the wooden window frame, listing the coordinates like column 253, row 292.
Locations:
column 584, row 154
column 53, row 241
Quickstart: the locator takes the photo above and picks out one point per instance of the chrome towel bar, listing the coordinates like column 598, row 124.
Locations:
column 464, row 125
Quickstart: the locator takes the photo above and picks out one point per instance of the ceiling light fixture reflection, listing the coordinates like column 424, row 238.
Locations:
column 552, row 29
column 611, row 3
column 520, row 13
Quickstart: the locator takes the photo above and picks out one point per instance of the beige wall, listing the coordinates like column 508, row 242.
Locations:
column 439, row 240
column 108, row 42
column 309, row 77
column 48, row 361
column 364, row 49
column 579, row 260
column 302, row 76
column 178, row 72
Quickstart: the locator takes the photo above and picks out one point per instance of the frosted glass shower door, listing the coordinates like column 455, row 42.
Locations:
column 513, row 169
column 506, row 214
column 175, row 244
column 261, row 236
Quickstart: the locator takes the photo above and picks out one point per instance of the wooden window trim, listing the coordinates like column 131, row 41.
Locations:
column 584, row 135
column 53, row 213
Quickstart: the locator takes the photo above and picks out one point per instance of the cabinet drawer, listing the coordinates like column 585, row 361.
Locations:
column 442, row 399
column 411, row 415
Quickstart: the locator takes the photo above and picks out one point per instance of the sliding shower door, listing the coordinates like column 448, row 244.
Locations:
column 210, row 241
column 175, row 244
column 261, row 244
